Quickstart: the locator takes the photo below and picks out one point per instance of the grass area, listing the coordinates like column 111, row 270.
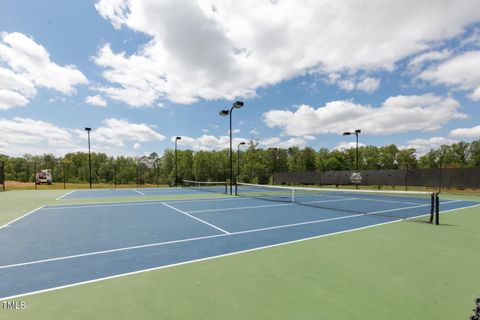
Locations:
column 397, row 271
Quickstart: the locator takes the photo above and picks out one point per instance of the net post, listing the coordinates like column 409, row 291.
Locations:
column 432, row 206
column 437, row 209
column 293, row 195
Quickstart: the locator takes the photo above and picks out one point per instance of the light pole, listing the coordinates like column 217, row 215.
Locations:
column 224, row 113
column 356, row 132
column 89, row 157
column 238, row 159
column 176, row 163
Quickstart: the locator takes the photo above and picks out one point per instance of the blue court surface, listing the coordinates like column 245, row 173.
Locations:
column 64, row 245
column 120, row 193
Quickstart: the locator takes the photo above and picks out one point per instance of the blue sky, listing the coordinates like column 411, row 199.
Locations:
column 140, row 72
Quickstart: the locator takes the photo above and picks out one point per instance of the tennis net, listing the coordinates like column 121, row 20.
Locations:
column 389, row 203
column 208, row 186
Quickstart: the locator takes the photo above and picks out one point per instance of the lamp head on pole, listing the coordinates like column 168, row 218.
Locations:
column 224, row 113
column 358, row 131
column 238, row 104
column 347, row 133
column 242, row 143
column 178, row 138
column 88, row 129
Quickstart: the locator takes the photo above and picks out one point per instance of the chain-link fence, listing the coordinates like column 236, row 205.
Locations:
column 454, row 178
column 20, row 174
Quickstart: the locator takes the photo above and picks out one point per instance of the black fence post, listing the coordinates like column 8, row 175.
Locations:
column 114, row 177
column 35, row 174
column 156, row 175
column 2, row 174
column 437, row 209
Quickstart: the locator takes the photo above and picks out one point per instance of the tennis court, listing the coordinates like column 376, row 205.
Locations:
column 63, row 245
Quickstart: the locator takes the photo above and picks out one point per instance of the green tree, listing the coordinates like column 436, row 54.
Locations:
column 406, row 159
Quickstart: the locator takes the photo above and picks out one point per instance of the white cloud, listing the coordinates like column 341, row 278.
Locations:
column 276, row 142
column 475, row 95
column 207, row 142
column 10, row 99
column 419, row 61
column 30, row 67
column 117, row 132
column 344, row 145
column 422, row 146
column 350, row 82
column 96, row 101
column 254, row 131
column 473, row 132
column 222, row 49
column 23, row 135
column 368, row 84
column 396, row 114
column 347, row 85
column 210, row 142
column 461, row 72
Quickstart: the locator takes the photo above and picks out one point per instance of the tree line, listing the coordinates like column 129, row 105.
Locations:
column 256, row 165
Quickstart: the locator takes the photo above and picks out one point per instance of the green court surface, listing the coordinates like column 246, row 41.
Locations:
column 403, row 270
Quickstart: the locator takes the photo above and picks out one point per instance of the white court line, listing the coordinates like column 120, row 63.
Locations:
column 198, row 219
column 157, row 244
column 119, row 204
column 21, row 217
column 208, row 199
column 66, row 194
column 366, row 199
column 267, row 206
column 243, row 208
column 209, row 258
column 143, row 194
column 193, row 261
column 200, row 238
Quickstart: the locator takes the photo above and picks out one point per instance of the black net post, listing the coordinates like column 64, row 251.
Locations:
column 437, row 209
column 432, row 207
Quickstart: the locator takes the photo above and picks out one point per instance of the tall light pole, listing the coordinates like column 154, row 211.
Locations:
column 238, row 159
column 224, row 113
column 176, row 162
column 356, row 132
column 89, row 157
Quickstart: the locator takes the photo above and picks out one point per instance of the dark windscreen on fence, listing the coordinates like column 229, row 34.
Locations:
column 458, row 178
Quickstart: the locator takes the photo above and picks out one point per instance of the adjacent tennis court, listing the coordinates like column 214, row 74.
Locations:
column 62, row 245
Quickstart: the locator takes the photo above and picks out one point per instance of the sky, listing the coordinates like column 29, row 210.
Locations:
column 141, row 72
